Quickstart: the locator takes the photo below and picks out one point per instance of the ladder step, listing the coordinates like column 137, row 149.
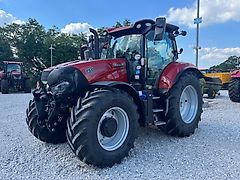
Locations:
column 159, row 123
column 157, row 110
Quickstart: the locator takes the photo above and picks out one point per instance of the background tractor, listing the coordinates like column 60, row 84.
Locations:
column 13, row 77
column 234, row 86
column 129, row 77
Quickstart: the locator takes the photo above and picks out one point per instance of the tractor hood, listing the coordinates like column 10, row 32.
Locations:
column 94, row 70
column 73, row 79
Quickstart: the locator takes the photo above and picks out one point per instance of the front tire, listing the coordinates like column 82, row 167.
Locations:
column 42, row 132
column 103, row 127
column 234, row 90
column 4, row 86
column 185, row 107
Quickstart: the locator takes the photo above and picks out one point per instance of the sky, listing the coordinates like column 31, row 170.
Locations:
column 219, row 32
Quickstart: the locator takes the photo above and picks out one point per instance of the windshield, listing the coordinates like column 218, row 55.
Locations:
column 13, row 67
column 124, row 46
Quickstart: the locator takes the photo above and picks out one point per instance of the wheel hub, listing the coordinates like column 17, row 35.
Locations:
column 188, row 104
column 108, row 127
column 113, row 128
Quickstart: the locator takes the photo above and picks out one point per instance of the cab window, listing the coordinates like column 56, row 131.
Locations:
column 159, row 54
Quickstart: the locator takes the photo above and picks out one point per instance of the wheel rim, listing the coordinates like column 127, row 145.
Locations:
column 188, row 104
column 117, row 138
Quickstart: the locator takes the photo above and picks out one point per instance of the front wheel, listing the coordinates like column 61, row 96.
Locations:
column 102, row 128
column 43, row 132
column 211, row 93
column 185, row 107
column 4, row 86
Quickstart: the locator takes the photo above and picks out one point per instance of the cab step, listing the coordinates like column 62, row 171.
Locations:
column 157, row 110
column 159, row 123
column 155, row 97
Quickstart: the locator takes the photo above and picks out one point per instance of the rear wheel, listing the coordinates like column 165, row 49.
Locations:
column 41, row 131
column 4, row 86
column 211, row 93
column 234, row 90
column 102, row 128
column 185, row 107
column 27, row 86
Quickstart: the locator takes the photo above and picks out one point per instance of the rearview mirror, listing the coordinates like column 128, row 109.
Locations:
column 160, row 28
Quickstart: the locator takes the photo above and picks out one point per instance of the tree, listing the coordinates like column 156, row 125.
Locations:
column 127, row 22
column 230, row 64
column 5, row 50
column 118, row 24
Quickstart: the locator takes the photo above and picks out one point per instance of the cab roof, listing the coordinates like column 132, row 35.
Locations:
column 12, row 62
column 127, row 30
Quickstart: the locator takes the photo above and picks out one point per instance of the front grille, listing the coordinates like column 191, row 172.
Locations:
column 45, row 75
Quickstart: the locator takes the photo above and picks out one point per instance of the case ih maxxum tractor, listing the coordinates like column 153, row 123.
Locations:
column 131, row 78
column 234, row 86
column 13, row 77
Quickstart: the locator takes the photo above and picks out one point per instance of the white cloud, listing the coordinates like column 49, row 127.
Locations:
column 76, row 28
column 7, row 18
column 212, row 12
column 214, row 56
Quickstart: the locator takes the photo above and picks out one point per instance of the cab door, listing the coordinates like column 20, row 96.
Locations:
column 159, row 54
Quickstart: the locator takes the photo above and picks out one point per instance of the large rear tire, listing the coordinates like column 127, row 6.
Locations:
column 42, row 132
column 4, row 86
column 234, row 90
column 103, row 127
column 185, row 107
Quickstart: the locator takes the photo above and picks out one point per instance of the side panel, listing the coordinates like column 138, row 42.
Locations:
column 170, row 73
column 103, row 70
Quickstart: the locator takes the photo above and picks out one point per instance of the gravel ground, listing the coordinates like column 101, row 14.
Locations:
column 211, row 153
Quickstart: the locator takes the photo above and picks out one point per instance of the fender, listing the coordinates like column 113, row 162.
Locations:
column 172, row 73
column 77, row 82
column 127, row 88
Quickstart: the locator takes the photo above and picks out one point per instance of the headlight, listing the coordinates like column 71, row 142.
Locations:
column 61, row 87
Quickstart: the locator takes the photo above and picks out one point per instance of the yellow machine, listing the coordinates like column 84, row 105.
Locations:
column 224, row 76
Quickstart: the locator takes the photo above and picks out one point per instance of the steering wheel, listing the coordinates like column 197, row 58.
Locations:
column 143, row 24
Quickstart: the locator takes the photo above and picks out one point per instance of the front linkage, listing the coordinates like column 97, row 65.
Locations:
column 50, row 108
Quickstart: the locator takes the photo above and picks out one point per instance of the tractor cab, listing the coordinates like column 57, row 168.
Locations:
column 12, row 67
column 148, row 47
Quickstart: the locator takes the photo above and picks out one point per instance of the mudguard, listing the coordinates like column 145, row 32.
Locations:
column 172, row 73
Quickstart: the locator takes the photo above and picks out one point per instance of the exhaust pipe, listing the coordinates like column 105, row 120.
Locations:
column 96, row 43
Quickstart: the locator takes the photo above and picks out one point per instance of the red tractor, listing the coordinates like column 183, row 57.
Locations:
column 13, row 77
column 130, row 77
column 234, row 86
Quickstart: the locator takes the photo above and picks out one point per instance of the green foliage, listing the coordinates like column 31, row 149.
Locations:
column 31, row 43
column 230, row 64
column 5, row 48
column 126, row 22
